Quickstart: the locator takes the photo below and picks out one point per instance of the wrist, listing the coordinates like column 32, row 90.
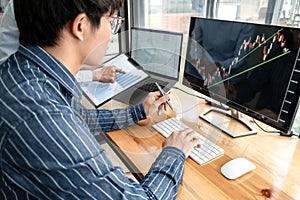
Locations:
column 96, row 76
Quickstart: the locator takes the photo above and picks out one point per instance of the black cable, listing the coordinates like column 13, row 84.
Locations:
column 263, row 128
column 220, row 105
column 189, row 93
column 293, row 134
column 279, row 132
column 266, row 131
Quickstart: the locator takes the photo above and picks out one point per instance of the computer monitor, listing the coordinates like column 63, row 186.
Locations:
column 252, row 68
column 157, row 51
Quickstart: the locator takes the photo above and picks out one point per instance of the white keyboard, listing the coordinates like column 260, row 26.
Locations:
column 208, row 150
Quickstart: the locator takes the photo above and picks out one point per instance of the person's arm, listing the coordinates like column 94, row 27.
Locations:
column 84, row 76
column 107, row 120
column 105, row 74
column 9, row 33
column 59, row 158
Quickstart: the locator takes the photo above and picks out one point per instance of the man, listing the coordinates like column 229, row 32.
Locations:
column 47, row 148
column 9, row 43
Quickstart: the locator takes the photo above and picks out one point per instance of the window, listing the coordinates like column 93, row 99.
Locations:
column 174, row 15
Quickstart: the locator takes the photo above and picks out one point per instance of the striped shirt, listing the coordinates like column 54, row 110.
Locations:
column 47, row 148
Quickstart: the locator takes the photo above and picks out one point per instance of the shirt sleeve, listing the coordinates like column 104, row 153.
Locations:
column 108, row 120
column 164, row 177
column 58, row 158
column 9, row 33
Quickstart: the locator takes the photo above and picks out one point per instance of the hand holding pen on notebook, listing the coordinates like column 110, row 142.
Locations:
column 163, row 93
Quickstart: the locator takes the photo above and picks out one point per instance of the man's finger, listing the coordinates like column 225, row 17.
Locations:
column 120, row 71
column 163, row 99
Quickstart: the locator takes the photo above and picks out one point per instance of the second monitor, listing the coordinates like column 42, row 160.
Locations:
column 253, row 68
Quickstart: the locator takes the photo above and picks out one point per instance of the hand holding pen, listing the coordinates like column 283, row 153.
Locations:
column 163, row 93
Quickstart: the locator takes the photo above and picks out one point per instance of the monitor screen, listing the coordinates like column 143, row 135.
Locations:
column 157, row 51
column 253, row 68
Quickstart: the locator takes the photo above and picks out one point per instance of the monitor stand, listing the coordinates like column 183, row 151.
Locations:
column 234, row 114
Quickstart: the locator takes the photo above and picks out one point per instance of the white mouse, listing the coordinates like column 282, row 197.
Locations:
column 236, row 168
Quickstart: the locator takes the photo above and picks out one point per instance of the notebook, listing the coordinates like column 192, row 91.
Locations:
column 99, row 93
column 158, row 53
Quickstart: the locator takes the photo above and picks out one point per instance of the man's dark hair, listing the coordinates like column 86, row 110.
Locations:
column 41, row 21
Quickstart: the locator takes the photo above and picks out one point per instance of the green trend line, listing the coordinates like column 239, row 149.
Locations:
column 259, row 45
column 256, row 66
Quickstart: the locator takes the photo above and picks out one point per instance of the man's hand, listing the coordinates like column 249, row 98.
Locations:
column 107, row 74
column 185, row 140
column 155, row 102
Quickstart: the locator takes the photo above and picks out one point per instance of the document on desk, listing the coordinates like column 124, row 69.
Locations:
column 99, row 93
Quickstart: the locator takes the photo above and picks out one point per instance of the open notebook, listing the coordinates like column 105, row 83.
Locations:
column 99, row 93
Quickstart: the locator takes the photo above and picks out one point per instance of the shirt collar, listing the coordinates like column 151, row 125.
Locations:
column 55, row 69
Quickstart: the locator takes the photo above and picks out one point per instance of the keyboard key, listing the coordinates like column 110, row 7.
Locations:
column 150, row 86
column 208, row 150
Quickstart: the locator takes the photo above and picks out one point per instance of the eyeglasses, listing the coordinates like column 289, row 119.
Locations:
column 116, row 24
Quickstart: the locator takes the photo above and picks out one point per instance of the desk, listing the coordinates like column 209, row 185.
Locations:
column 277, row 158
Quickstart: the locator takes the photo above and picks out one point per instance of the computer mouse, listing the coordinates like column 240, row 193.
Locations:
column 236, row 168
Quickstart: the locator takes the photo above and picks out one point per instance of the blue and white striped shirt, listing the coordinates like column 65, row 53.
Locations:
column 47, row 148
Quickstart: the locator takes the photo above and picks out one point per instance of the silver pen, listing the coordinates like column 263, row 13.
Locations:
column 162, row 92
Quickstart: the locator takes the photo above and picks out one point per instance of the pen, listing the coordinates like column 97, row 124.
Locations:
column 162, row 92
